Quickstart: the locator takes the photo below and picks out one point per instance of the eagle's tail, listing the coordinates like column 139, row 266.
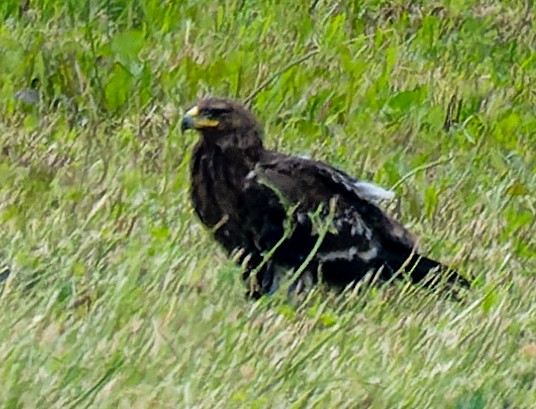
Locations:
column 424, row 269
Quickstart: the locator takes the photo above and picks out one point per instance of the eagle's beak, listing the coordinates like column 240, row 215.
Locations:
column 192, row 120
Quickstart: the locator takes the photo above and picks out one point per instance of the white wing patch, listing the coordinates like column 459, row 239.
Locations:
column 346, row 254
column 302, row 217
column 372, row 191
column 368, row 255
column 367, row 190
column 349, row 254
column 357, row 228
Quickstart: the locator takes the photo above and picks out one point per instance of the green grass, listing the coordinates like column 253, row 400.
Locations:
column 119, row 299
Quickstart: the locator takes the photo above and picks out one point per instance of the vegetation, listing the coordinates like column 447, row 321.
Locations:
column 117, row 298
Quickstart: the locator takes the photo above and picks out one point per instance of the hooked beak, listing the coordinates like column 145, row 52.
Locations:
column 193, row 120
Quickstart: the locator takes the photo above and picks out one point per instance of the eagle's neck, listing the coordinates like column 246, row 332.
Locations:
column 219, row 172
column 246, row 143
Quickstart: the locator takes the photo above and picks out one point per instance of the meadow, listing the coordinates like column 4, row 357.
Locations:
column 112, row 295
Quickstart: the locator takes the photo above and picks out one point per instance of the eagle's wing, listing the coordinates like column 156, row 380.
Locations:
column 360, row 236
column 308, row 184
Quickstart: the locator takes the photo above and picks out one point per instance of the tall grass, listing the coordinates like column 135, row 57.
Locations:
column 117, row 298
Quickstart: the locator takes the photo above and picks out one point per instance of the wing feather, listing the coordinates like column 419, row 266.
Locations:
column 311, row 183
column 353, row 235
column 360, row 236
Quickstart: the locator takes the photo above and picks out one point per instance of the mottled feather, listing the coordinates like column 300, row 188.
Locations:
column 283, row 213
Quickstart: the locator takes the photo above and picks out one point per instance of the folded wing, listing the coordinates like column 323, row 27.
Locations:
column 359, row 237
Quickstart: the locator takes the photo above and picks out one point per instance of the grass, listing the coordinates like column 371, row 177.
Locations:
column 118, row 298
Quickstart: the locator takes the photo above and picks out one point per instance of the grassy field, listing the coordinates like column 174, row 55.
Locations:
column 118, row 298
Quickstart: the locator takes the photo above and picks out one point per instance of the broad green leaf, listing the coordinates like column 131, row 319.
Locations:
column 118, row 87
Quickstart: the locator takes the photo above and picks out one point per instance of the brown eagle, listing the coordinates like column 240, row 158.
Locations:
column 285, row 216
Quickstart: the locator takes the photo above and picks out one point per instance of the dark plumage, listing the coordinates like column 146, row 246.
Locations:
column 282, row 213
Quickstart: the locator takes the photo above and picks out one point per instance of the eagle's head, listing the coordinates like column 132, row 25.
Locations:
column 224, row 122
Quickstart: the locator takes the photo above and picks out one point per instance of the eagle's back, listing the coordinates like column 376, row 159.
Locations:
column 252, row 205
column 357, row 237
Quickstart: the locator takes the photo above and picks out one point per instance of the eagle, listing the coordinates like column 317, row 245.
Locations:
column 293, row 222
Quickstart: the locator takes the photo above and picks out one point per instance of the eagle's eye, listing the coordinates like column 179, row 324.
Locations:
column 216, row 111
